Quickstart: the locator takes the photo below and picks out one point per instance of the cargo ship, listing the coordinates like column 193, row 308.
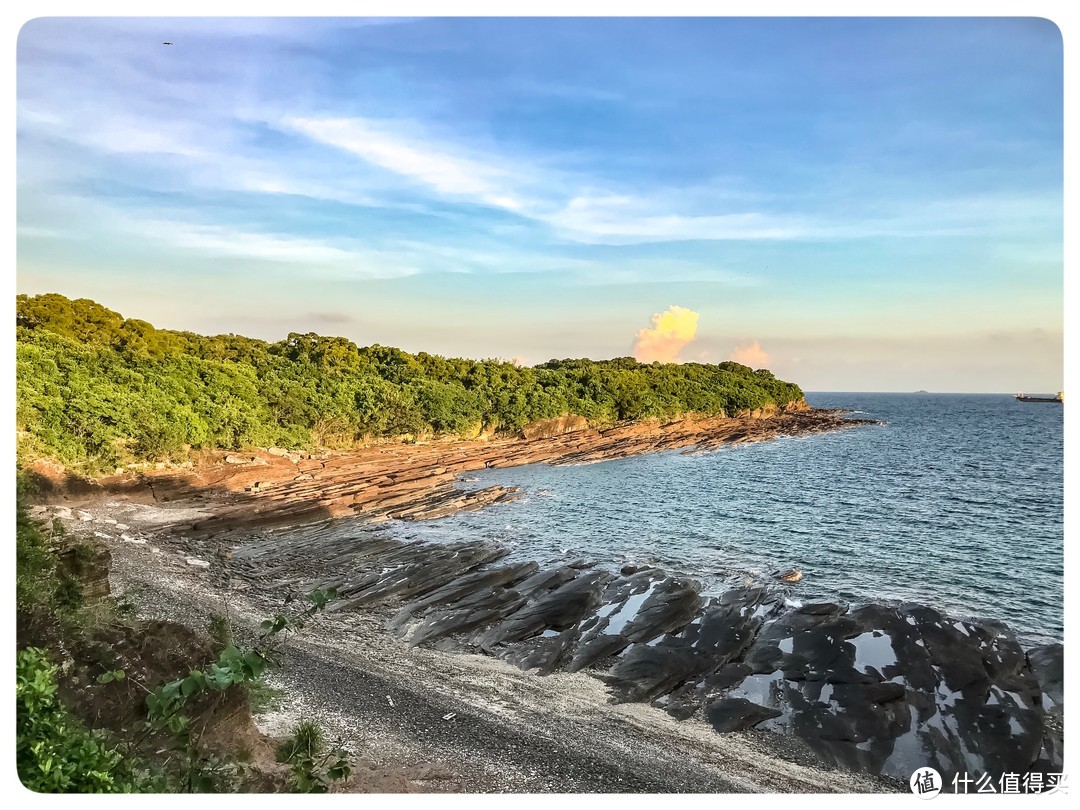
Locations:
column 1060, row 398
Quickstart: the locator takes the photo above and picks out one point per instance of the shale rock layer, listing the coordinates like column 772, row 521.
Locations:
column 416, row 482
column 879, row 689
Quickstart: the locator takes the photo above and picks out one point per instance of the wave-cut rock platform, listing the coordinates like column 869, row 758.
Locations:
column 877, row 689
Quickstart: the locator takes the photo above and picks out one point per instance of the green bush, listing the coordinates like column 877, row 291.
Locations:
column 35, row 566
column 314, row 766
column 55, row 753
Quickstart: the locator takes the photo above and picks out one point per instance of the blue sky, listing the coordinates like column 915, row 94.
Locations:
column 858, row 204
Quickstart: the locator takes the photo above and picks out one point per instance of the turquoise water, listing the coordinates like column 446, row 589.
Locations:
column 956, row 501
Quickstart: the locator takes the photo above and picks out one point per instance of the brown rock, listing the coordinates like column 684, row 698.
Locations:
column 547, row 428
column 415, row 482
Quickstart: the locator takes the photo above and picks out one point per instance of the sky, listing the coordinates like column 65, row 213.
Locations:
column 857, row 204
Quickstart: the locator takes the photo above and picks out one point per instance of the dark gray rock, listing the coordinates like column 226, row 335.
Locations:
column 644, row 672
column 425, row 571
column 477, row 612
column 721, row 635
column 670, row 606
column 558, row 609
column 476, row 582
column 547, row 580
column 541, row 654
column 890, row 689
column 645, row 605
column 1048, row 664
column 737, row 714
column 882, row 689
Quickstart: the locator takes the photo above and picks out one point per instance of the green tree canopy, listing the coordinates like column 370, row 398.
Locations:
column 96, row 389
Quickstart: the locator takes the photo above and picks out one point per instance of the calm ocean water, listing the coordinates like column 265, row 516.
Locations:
column 956, row 502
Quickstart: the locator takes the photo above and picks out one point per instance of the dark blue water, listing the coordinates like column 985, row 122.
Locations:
column 956, row 501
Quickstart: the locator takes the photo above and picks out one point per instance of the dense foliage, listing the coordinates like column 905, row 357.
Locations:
column 96, row 389
column 62, row 637
column 54, row 751
column 47, row 594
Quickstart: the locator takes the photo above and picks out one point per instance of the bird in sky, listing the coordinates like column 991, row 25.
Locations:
column 166, row 43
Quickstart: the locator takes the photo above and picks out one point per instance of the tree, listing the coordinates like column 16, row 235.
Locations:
column 95, row 389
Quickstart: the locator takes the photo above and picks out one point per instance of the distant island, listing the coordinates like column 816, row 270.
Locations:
column 920, row 391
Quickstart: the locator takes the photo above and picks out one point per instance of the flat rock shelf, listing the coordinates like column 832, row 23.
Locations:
column 275, row 487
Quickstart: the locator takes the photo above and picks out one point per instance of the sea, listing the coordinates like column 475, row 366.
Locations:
column 954, row 501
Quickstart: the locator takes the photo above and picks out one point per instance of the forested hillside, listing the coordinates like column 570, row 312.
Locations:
column 95, row 389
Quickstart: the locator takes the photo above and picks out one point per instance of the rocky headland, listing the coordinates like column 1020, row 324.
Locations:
column 876, row 690
column 276, row 486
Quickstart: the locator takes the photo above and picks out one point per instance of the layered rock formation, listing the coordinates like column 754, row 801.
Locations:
column 416, row 482
column 879, row 689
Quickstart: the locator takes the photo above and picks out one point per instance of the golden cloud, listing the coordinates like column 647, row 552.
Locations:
column 750, row 354
column 671, row 330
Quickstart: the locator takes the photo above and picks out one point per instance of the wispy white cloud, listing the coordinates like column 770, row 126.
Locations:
column 117, row 133
column 133, row 137
column 622, row 219
column 200, row 155
column 316, row 256
column 578, row 209
column 231, row 242
column 565, row 201
column 425, row 162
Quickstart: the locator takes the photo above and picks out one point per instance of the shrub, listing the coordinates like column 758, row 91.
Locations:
column 55, row 753
column 314, row 767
